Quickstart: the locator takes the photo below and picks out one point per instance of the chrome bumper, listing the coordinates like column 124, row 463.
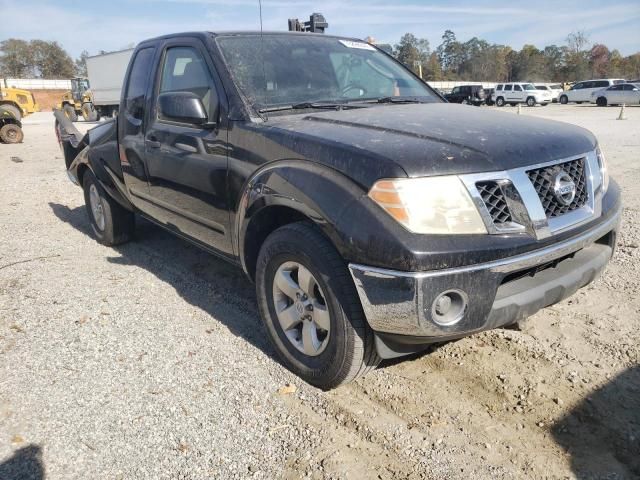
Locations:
column 401, row 303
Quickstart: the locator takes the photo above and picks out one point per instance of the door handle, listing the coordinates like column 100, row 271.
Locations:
column 152, row 142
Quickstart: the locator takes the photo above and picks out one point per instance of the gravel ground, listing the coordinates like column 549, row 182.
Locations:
column 149, row 361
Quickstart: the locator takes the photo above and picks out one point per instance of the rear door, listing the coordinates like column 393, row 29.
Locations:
column 615, row 94
column 188, row 163
column 131, row 126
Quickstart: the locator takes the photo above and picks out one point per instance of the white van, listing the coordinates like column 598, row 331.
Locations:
column 514, row 93
column 581, row 91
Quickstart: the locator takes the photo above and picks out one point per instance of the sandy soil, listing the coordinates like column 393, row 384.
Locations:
column 148, row 361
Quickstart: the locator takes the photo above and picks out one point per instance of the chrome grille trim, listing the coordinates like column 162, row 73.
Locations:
column 542, row 179
column 528, row 215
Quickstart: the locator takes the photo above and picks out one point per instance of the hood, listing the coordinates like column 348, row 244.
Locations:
column 439, row 138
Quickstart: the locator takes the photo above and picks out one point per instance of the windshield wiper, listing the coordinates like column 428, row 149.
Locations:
column 304, row 105
column 396, row 100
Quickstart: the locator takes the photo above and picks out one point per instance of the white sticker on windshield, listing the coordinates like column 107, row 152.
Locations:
column 360, row 45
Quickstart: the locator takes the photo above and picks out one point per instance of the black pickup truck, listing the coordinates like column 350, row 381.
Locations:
column 373, row 217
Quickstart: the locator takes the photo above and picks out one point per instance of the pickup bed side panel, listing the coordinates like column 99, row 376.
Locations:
column 101, row 157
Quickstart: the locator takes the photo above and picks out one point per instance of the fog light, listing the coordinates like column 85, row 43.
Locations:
column 448, row 308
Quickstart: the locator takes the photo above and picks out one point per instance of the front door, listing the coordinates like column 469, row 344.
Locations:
column 187, row 163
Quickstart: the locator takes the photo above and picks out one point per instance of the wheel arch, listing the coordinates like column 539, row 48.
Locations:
column 291, row 191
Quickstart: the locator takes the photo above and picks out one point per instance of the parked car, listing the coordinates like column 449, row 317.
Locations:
column 581, row 91
column 555, row 89
column 470, row 94
column 628, row 93
column 514, row 93
column 374, row 217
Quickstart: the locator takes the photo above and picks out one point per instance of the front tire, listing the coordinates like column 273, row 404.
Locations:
column 601, row 101
column 70, row 112
column 531, row 102
column 89, row 113
column 564, row 100
column 500, row 102
column 310, row 308
column 112, row 224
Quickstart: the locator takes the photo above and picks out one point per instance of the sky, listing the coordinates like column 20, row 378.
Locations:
column 115, row 24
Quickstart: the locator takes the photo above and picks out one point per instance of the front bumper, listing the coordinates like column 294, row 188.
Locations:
column 401, row 304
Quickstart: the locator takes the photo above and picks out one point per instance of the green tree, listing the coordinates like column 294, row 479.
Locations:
column 16, row 60
column 413, row 52
column 81, row 64
column 577, row 57
column 433, row 70
column 51, row 60
column 451, row 54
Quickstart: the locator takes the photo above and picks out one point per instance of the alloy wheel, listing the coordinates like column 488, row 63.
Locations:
column 301, row 308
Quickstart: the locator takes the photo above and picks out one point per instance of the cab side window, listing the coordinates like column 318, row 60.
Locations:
column 517, row 88
column 184, row 70
column 499, row 87
column 138, row 81
column 507, row 88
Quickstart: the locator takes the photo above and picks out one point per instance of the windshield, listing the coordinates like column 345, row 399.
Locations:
column 308, row 68
column 528, row 86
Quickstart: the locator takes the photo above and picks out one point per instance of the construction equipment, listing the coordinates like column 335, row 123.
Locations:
column 316, row 24
column 15, row 102
column 99, row 95
column 10, row 127
column 79, row 101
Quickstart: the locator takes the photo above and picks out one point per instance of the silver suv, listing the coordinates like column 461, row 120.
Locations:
column 514, row 93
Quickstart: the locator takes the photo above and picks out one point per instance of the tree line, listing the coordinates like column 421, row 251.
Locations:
column 478, row 60
column 475, row 59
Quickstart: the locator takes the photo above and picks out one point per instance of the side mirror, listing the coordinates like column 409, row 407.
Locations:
column 182, row 107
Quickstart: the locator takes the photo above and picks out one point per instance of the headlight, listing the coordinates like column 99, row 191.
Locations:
column 602, row 164
column 434, row 205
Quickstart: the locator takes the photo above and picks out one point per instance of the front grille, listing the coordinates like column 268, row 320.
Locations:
column 543, row 178
column 494, row 200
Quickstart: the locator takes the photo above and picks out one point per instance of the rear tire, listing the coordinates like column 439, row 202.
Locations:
column 338, row 346
column 500, row 102
column 11, row 133
column 601, row 101
column 563, row 99
column 10, row 111
column 70, row 112
column 112, row 224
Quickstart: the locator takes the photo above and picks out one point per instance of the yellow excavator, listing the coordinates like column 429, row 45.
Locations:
column 79, row 101
column 15, row 104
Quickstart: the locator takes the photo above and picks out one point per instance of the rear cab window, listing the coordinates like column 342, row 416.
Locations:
column 134, row 103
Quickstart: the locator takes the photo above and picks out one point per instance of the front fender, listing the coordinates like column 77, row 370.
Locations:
column 336, row 204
